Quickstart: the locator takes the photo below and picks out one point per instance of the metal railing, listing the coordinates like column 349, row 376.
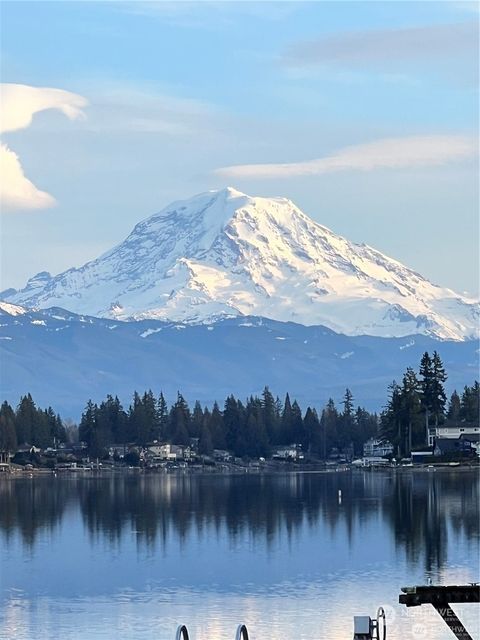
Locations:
column 241, row 634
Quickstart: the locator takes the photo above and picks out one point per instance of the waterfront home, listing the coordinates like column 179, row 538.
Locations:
column 376, row 448
column 161, row 452
column 117, row 450
column 292, row 452
column 446, row 446
column 474, row 440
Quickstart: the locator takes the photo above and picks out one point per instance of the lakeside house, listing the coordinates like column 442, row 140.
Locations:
column 156, row 453
column 376, row 448
column 447, row 446
column 473, row 440
column 451, row 431
column 292, row 452
column 459, row 438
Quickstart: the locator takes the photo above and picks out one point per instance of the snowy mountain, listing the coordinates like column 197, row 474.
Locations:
column 224, row 254
column 65, row 359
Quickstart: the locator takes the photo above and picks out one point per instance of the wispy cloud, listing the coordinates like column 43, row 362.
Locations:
column 146, row 110
column 388, row 153
column 208, row 15
column 19, row 104
column 470, row 7
column 381, row 47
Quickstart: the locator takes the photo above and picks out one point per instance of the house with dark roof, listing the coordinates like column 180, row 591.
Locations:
column 474, row 440
column 446, row 446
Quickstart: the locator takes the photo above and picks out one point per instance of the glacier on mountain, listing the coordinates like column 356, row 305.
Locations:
column 226, row 254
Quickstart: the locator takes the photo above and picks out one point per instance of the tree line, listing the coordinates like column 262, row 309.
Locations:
column 28, row 424
column 419, row 403
column 247, row 429
column 256, row 426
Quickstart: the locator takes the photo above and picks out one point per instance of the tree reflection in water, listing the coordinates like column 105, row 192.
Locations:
column 417, row 507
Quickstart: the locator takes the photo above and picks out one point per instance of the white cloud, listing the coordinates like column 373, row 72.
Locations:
column 19, row 103
column 17, row 191
column 391, row 153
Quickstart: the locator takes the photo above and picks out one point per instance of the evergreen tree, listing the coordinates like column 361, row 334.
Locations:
column 112, row 421
column 103, row 423
column 41, row 430
column 427, row 389
column 150, row 407
column 162, row 414
column 299, row 435
column 270, row 416
column 411, row 405
column 25, row 419
column 87, row 423
column 7, row 411
column 118, row 420
column 205, row 444
column 278, row 416
column 138, row 427
column 469, row 404
column 8, row 436
column 391, row 426
column 328, row 426
column 197, row 420
column 91, row 432
column 56, row 429
column 234, row 423
column 311, row 425
column 287, row 422
column 345, row 424
column 216, row 427
column 180, row 421
column 348, row 404
column 256, row 437
column 476, row 401
column 439, row 399
column 365, row 427
column 454, row 408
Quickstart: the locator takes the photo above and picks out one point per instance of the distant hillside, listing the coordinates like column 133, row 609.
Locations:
column 63, row 359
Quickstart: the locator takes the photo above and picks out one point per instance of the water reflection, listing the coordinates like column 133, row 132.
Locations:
column 419, row 508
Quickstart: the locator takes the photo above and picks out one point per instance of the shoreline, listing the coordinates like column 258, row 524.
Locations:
column 107, row 471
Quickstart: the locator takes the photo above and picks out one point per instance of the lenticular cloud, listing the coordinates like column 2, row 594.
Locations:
column 388, row 153
column 19, row 104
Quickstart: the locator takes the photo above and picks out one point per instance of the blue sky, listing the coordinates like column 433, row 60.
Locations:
column 177, row 95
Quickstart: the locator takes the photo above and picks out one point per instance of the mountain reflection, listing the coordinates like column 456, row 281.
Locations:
column 419, row 509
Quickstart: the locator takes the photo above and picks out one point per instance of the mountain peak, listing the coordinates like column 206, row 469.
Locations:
column 230, row 192
column 224, row 253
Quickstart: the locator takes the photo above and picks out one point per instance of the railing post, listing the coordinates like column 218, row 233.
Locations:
column 242, row 633
column 182, row 633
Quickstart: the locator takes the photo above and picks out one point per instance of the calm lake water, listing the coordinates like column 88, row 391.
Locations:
column 130, row 557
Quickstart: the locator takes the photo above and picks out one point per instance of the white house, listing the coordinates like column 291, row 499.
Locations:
column 292, row 452
column 455, row 432
column 375, row 448
column 161, row 452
